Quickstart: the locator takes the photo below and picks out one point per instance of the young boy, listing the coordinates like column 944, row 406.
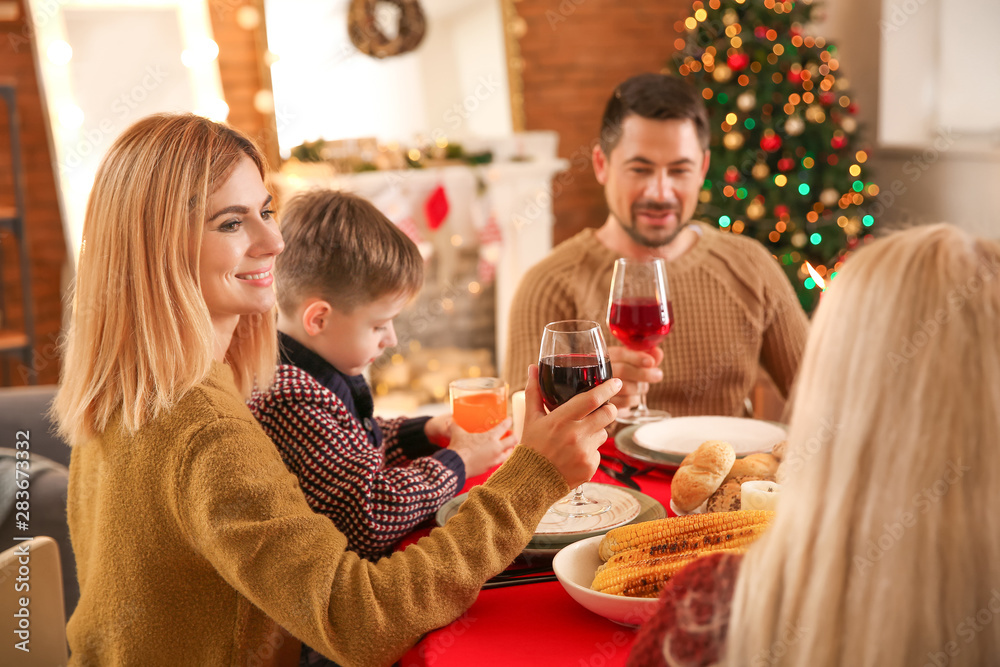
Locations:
column 346, row 272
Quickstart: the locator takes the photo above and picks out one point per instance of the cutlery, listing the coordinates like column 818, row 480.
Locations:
column 519, row 581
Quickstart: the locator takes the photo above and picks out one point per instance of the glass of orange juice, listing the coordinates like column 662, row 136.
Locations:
column 478, row 404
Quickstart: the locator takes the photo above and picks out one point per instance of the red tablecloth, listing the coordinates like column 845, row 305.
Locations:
column 534, row 624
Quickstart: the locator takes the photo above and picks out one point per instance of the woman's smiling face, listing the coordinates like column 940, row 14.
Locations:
column 238, row 247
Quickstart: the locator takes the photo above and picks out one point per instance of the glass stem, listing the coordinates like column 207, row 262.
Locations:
column 642, row 408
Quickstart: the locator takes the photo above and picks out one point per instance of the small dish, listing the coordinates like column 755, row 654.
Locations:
column 575, row 567
column 624, row 508
column 549, row 545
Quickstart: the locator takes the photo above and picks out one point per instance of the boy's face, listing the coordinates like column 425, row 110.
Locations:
column 353, row 340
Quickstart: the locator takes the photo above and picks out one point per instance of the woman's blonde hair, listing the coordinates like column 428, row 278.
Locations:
column 886, row 547
column 140, row 335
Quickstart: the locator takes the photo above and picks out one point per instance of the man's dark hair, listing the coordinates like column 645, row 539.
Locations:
column 653, row 96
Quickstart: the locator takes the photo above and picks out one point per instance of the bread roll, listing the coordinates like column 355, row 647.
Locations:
column 695, row 482
column 728, row 497
column 754, row 466
column 686, row 461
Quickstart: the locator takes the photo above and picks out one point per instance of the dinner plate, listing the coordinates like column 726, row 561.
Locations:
column 681, row 435
column 549, row 545
column 626, row 445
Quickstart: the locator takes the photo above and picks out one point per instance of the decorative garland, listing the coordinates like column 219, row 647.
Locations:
column 369, row 38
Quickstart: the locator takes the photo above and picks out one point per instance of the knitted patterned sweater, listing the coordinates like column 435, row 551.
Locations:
column 691, row 622
column 734, row 310
column 376, row 479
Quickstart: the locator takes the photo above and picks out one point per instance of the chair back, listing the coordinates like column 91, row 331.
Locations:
column 31, row 605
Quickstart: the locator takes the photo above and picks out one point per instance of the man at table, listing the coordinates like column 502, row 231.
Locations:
column 734, row 309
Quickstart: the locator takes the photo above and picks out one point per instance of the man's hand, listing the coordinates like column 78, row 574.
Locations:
column 569, row 435
column 634, row 368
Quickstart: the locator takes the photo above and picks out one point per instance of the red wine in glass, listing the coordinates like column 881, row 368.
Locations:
column 640, row 316
column 640, row 323
column 563, row 376
column 573, row 358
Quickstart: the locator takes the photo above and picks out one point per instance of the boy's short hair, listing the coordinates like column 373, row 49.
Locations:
column 341, row 248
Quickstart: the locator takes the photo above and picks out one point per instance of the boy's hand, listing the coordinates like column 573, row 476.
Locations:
column 569, row 435
column 633, row 368
column 482, row 451
column 437, row 429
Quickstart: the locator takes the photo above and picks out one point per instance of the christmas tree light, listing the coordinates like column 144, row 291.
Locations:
column 786, row 167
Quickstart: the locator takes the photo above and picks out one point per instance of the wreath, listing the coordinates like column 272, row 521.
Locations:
column 369, row 38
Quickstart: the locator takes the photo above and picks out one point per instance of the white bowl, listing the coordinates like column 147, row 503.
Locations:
column 575, row 567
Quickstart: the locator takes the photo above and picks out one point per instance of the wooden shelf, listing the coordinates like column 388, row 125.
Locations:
column 12, row 340
column 7, row 215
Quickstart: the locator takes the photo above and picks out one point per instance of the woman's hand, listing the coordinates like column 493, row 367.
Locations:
column 482, row 451
column 569, row 435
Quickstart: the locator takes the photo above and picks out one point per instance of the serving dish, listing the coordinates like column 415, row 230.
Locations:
column 575, row 566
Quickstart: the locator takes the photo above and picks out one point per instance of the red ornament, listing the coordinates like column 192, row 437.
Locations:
column 852, row 108
column 770, row 142
column 838, row 142
column 760, row 32
column 738, row 61
column 826, row 98
column 436, row 208
column 781, row 211
column 786, row 164
column 794, row 76
column 732, row 175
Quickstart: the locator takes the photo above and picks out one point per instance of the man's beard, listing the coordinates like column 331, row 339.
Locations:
column 636, row 236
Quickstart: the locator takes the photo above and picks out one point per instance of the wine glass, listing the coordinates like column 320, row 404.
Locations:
column 640, row 316
column 573, row 358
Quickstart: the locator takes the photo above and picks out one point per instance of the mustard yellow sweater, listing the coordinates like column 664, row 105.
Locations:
column 193, row 543
column 734, row 310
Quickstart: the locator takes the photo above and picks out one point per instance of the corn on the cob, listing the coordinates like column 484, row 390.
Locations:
column 694, row 527
column 642, row 557
column 689, row 545
column 645, row 578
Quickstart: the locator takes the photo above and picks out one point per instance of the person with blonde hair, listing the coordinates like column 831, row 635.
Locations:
column 885, row 549
column 194, row 544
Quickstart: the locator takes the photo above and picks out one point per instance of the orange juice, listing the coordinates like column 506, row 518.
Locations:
column 479, row 412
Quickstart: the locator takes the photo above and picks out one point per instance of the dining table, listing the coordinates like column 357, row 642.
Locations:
column 517, row 623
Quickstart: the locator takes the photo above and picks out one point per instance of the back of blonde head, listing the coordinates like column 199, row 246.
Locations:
column 886, row 548
column 140, row 335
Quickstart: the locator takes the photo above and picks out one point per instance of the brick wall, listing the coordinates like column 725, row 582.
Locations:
column 575, row 52
column 47, row 246
column 242, row 69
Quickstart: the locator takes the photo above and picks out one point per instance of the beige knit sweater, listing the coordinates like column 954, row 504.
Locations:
column 733, row 307
column 191, row 536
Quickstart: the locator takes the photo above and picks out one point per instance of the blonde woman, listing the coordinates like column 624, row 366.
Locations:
column 194, row 544
column 885, row 550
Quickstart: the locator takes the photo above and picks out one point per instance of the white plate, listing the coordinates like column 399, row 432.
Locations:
column 575, row 567
column 624, row 508
column 681, row 435
column 549, row 545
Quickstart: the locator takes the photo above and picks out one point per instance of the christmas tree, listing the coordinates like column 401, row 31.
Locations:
column 786, row 167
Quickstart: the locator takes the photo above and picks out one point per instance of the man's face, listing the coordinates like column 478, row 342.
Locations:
column 652, row 177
